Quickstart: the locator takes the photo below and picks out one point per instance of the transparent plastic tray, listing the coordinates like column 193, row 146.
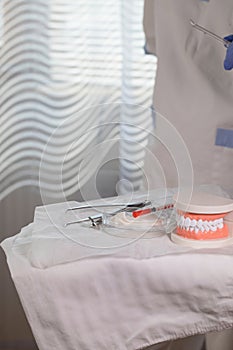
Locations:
column 145, row 226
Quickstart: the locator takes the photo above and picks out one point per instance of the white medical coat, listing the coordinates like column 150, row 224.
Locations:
column 192, row 90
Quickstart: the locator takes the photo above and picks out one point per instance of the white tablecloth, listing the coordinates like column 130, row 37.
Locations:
column 78, row 296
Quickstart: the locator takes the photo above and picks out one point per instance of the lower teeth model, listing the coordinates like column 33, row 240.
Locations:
column 201, row 226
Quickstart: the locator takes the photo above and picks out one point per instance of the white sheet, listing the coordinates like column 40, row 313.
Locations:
column 151, row 291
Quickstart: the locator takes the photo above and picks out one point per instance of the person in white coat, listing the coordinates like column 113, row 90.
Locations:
column 194, row 92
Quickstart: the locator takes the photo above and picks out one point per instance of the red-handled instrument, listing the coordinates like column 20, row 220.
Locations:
column 151, row 210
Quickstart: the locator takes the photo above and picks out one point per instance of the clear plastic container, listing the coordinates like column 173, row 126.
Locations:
column 145, row 226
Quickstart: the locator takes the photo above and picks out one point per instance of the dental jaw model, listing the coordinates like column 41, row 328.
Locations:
column 201, row 223
column 201, row 226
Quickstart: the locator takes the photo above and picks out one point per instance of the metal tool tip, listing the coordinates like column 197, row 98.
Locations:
column 192, row 22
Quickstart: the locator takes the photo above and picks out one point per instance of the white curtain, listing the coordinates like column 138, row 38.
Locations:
column 75, row 88
column 74, row 82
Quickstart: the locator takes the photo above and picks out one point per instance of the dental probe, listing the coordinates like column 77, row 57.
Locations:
column 125, row 205
column 94, row 219
column 225, row 42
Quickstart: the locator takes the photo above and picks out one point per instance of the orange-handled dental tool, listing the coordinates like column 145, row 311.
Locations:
column 151, row 210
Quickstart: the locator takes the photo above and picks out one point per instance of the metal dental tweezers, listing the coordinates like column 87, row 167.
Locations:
column 225, row 42
column 97, row 219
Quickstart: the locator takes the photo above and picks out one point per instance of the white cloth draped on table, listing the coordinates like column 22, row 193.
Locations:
column 79, row 295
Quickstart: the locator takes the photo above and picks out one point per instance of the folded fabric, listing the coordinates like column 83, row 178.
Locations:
column 79, row 294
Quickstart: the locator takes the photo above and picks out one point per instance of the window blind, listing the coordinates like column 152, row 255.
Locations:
column 73, row 75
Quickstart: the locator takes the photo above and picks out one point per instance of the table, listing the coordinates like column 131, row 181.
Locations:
column 81, row 296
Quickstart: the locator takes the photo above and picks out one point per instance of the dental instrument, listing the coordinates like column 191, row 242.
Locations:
column 97, row 219
column 151, row 210
column 125, row 205
column 225, row 42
